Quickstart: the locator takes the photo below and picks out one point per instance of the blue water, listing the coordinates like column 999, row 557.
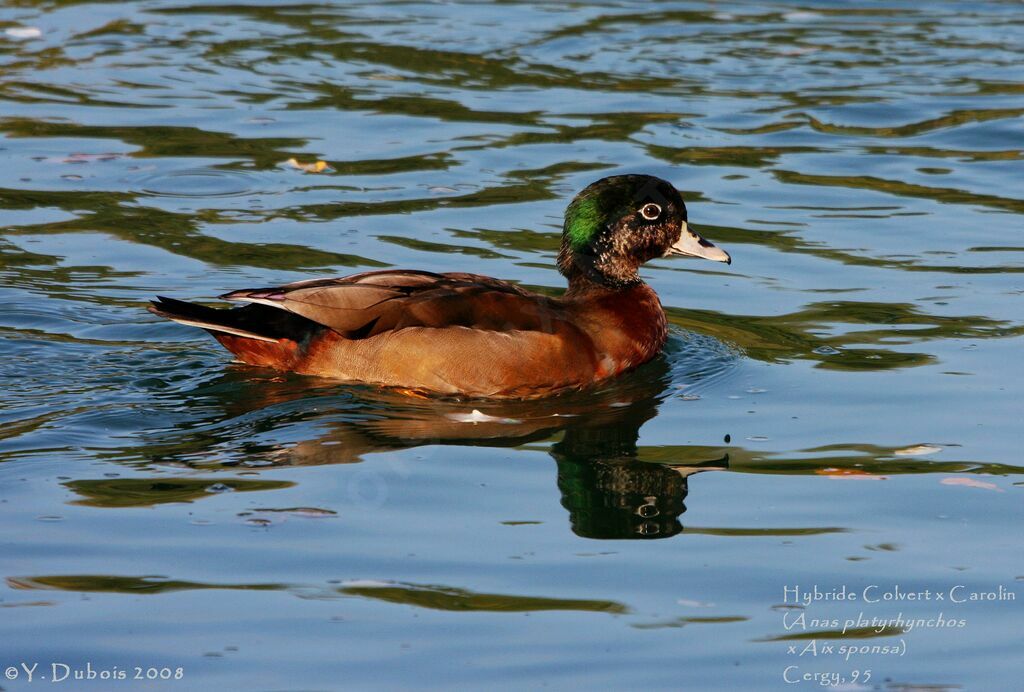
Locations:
column 840, row 409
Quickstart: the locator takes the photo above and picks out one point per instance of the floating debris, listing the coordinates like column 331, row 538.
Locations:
column 917, row 450
column 971, row 483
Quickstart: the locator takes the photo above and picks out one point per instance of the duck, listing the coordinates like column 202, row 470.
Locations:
column 465, row 335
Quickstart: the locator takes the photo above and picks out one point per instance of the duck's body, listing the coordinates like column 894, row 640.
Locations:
column 465, row 334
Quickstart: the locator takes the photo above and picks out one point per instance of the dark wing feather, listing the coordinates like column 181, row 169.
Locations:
column 365, row 305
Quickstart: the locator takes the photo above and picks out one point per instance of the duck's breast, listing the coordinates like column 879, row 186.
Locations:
column 627, row 328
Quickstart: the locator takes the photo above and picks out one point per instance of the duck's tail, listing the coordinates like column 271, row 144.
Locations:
column 255, row 334
column 211, row 319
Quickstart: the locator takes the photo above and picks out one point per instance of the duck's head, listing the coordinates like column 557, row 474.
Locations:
column 618, row 223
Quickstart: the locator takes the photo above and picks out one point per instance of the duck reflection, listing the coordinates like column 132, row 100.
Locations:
column 608, row 487
column 611, row 493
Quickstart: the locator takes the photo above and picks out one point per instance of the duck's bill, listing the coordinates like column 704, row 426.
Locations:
column 692, row 245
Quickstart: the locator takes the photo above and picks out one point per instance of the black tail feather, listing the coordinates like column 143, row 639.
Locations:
column 252, row 321
column 171, row 307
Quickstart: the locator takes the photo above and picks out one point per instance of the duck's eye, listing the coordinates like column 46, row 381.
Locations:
column 650, row 211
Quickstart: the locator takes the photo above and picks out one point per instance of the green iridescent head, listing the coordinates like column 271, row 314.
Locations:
column 618, row 223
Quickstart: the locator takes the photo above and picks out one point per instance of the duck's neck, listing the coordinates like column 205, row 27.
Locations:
column 583, row 284
column 600, row 274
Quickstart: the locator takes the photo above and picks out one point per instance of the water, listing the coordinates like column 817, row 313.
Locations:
column 839, row 409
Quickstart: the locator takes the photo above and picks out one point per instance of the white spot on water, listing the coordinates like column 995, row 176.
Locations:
column 23, row 32
column 693, row 604
column 802, row 16
column 479, row 417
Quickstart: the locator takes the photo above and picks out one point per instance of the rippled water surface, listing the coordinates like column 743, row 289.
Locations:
column 840, row 408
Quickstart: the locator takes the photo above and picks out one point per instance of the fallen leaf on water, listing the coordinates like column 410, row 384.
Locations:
column 315, row 167
column 850, row 474
column 971, row 483
column 917, row 450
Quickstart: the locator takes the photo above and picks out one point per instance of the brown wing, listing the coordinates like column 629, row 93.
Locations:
column 365, row 305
